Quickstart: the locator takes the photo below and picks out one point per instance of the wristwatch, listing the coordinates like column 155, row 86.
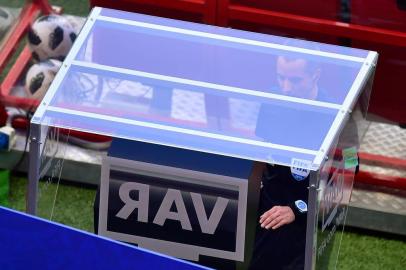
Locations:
column 301, row 206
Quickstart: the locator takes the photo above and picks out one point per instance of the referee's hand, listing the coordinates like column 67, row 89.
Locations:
column 276, row 217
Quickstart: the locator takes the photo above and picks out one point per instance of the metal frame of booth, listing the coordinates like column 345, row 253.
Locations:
column 353, row 105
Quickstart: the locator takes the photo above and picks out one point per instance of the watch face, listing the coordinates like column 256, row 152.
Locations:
column 301, row 206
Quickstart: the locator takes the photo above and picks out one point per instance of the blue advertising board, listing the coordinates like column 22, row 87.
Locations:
column 28, row 242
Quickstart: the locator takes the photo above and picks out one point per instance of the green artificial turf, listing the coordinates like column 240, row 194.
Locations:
column 370, row 252
column 12, row 3
column 74, row 7
column 73, row 205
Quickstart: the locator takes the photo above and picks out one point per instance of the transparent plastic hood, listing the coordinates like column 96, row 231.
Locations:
column 206, row 88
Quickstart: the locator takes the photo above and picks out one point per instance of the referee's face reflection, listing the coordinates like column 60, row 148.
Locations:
column 295, row 79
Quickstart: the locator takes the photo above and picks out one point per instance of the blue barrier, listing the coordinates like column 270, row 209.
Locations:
column 28, row 242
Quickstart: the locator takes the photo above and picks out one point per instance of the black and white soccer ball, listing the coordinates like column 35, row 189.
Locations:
column 40, row 76
column 6, row 19
column 51, row 36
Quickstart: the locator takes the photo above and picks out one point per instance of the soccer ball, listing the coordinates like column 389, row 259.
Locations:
column 51, row 36
column 40, row 76
column 6, row 19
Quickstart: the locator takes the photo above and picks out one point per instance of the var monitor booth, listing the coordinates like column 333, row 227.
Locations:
column 228, row 146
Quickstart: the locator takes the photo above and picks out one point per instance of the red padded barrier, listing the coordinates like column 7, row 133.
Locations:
column 243, row 14
column 388, row 96
column 188, row 10
column 322, row 9
column 388, row 14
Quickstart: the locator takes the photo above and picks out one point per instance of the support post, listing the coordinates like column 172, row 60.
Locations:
column 33, row 170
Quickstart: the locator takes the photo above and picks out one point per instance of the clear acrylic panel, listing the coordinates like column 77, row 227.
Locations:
column 189, row 117
column 242, row 34
column 202, row 59
column 52, row 157
column 204, row 88
column 336, row 182
column 58, row 163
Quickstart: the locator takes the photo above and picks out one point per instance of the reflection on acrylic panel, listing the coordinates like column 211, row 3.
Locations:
column 53, row 150
column 198, row 108
column 193, row 56
column 205, row 88
column 336, row 180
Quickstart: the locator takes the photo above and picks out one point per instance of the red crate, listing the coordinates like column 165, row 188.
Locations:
column 30, row 11
column 28, row 14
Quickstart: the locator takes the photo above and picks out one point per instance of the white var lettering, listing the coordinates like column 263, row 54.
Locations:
column 208, row 223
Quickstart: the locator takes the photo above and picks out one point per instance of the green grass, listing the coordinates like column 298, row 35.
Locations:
column 369, row 252
column 74, row 207
column 73, row 204
column 75, row 7
column 12, row 3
